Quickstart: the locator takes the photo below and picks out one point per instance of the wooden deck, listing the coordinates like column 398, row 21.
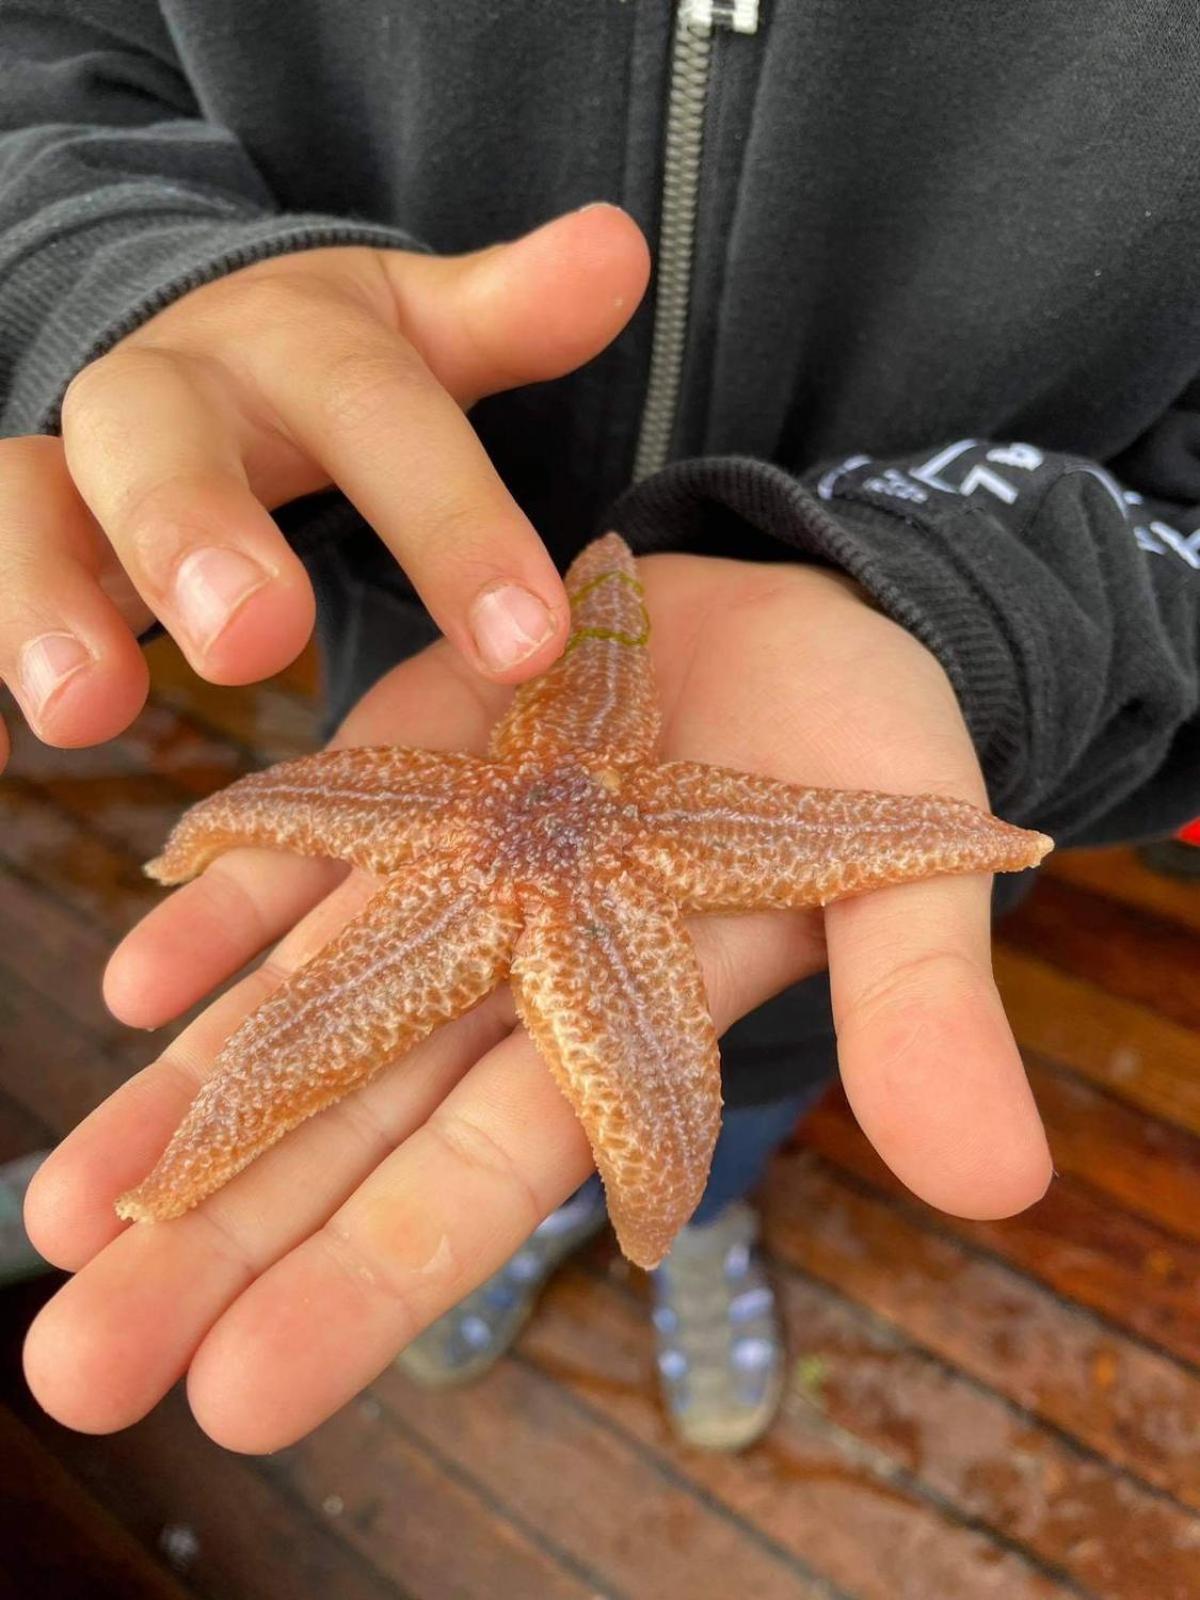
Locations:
column 1007, row 1410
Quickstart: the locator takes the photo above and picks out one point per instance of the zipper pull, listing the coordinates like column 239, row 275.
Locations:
column 702, row 16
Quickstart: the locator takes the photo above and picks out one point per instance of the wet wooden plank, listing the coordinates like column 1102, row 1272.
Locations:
column 1126, row 952
column 100, row 880
column 1132, row 1405
column 1119, row 875
column 1144, row 1165
column 56, row 954
column 131, row 789
column 833, row 1499
column 611, row 1510
column 303, row 676
column 83, row 821
column 984, row 1458
column 159, row 740
column 1074, row 1240
column 57, row 1540
column 235, row 1534
column 54, row 1069
column 273, row 721
column 418, row 1523
column 1143, row 1058
column 21, row 1129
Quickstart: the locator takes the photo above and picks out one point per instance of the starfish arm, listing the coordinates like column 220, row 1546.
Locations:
column 424, row 950
column 598, row 699
column 373, row 807
column 729, row 841
column 610, row 990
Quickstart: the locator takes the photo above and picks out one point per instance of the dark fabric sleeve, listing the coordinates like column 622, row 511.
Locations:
column 1063, row 600
column 116, row 195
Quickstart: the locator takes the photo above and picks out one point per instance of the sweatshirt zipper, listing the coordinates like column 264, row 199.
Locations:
column 695, row 23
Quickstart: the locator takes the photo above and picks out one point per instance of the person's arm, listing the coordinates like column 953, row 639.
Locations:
column 180, row 355
column 1062, row 600
column 116, row 195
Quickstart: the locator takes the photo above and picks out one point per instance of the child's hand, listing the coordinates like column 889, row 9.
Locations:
column 345, row 366
column 289, row 1289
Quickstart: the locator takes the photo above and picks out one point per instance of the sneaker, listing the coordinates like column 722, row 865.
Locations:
column 720, row 1348
column 471, row 1337
column 18, row 1258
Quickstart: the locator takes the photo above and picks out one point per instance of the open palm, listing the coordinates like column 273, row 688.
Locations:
column 287, row 1291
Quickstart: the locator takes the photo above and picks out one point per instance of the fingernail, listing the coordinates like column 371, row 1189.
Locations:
column 508, row 624
column 209, row 587
column 44, row 666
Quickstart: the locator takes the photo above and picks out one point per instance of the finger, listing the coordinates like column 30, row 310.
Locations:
column 115, row 1338
column 459, row 1196
column 516, row 313
column 384, row 414
column 153, row 446
column 423, row 1229
column 524, row 311
column 927, row 1057
column 209, row 929
column 358, row 399
column 65, row 651
column 70, row 1201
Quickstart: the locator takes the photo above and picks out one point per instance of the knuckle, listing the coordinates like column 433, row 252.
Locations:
column 28, row 453
column 914, row 982
column 153, row 517
column 24, row 573
column 265, row 300
column 226, row 1237
column 461, row 528
column 90, row 386
column 724, row 977
column 472, row 1147
column 363, row 389
column 227, row 911
column 357, row 1120
column 97, row 385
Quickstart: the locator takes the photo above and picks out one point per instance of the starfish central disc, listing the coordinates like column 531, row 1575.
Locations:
column 547, row 827
column 565, row 860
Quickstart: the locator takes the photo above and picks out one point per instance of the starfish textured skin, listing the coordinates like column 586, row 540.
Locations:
column 565, row 860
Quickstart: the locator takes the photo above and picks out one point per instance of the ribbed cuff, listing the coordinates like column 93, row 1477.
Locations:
column 106, row 275
column 735, row 505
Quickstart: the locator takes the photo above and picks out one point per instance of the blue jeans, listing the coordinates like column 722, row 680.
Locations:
column 749, row 1137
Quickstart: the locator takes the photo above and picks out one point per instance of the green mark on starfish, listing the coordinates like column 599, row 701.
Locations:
column 576, row 595
column 613, row 635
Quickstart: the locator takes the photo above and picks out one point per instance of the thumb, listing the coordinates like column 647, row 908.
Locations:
column 525, row 310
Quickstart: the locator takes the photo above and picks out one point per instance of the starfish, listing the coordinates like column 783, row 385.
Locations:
column 565, row 860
